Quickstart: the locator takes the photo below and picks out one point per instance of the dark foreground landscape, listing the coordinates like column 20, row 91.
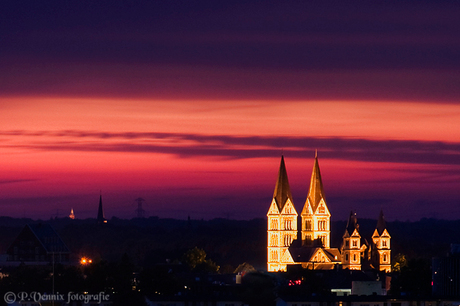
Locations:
column 131, row 259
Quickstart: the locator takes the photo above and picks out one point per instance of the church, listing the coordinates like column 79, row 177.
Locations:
column 309, row 245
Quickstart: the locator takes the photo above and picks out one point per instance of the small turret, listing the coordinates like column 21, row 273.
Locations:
column 351, row 245
column 381, row 255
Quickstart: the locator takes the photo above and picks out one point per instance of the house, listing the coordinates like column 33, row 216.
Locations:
column 37, row 244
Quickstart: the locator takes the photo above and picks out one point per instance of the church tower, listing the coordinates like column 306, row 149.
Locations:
column 382, row 251
column 315, row 214
column 351, row 247
column 282, row 222
column 72, row 215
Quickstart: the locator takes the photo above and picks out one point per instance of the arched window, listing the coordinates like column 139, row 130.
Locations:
column 354, row 257
column 384, row 257
column 322, row 225
column 274, row 240
column 287, row 240
column 287, row 224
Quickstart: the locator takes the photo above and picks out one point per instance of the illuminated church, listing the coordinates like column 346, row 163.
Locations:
column 309, row 246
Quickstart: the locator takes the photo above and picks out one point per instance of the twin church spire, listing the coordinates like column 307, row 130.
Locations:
column 310, row 245
column 315, row 214
column 316, row 192
column 282, row 218
column 282, row 190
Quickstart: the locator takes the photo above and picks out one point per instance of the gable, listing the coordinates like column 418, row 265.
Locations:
column 26, row 238
column 288, row 208
column 321, row 209
column 376, row 234
column 320, row 256
column 273, row 210
column 385, row 234
column 307, row 208
column 286, row 257
column 356, row 234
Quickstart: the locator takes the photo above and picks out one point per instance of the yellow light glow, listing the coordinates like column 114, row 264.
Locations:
column 85, row 261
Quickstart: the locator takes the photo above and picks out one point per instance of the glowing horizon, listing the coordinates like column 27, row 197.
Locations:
column 191, row 107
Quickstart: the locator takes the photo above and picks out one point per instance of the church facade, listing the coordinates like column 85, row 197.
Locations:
column 308, row 245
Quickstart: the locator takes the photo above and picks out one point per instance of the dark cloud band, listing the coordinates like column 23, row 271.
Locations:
column 238, row 147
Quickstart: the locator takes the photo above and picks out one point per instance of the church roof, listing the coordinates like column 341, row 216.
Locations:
column 352, row 224
column 48, row 237
column 282, row 189
column 381, row 224
column 333, row 254
column 305, row 253
column 302, row 254
column 316, row 192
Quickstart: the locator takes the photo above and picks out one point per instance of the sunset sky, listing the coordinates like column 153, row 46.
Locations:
column 190, row 105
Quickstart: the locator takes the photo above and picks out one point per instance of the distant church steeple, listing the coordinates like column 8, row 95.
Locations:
column 100, row 213
column 72, row 215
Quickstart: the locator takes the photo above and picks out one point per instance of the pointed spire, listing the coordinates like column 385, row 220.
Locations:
column 100, row 213
column 381, row 223
column 352, row 223
column 316, row 192
column 282, row 189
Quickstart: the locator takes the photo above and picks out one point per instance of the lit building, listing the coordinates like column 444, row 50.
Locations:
column 309, row 246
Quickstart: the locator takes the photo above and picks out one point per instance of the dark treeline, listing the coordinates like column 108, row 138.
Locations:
column 227, row 242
